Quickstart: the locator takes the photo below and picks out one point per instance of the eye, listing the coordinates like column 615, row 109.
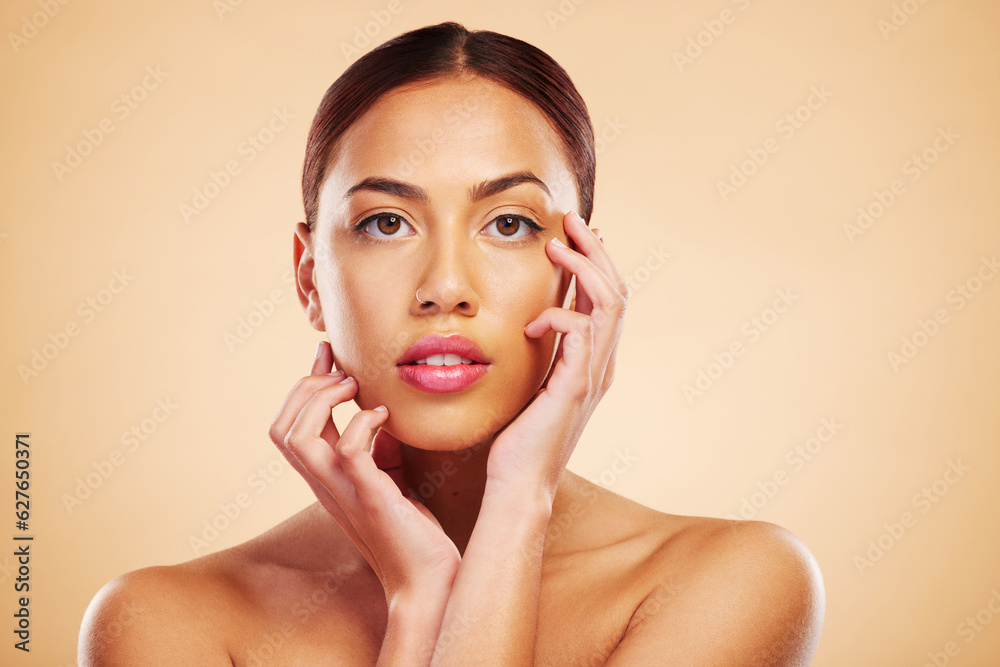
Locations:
column 512, row 226
column 382, row 225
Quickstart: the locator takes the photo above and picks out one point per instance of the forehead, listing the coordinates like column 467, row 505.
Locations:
column 459, row 131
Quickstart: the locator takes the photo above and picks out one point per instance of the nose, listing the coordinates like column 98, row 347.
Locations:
column 446, row 284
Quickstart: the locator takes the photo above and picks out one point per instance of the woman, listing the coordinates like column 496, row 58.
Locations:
column 447, row 184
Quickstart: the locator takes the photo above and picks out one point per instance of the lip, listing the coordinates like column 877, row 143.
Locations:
column 438, row 344
column 442, row 379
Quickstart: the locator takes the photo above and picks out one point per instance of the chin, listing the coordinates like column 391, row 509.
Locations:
column 442, row 425
column 439, row 437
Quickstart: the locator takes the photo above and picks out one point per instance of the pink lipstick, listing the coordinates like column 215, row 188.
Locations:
column 441, row 364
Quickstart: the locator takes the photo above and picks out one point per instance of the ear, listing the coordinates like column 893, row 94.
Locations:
column 305, row 276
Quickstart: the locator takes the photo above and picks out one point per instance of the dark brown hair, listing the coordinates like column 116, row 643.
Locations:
column 442, row 50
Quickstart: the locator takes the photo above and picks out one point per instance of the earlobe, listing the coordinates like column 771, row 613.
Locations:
column 305, row 283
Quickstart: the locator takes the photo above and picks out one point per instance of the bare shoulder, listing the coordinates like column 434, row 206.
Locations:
column 154, row 615
column 298, row 593
column 729, row 592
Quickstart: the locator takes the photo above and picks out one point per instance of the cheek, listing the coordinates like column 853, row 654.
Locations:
column 520, row 299
column 526, row 289
column 357, row 313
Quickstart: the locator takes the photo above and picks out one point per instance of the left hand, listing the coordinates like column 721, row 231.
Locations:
column 535, row 447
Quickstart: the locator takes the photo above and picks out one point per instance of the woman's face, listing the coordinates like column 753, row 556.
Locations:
column 412, row 201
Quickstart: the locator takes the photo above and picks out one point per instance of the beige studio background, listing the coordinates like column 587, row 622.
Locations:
column 739, row 140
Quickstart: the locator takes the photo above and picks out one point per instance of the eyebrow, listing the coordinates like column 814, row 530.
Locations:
column 487, row 188
column 497, row 185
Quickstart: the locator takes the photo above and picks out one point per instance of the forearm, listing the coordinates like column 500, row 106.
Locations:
column 492, row 612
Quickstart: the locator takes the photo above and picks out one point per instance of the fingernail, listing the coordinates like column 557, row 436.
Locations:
column 319, row 349
column 347, row 379
column 579, row 218
column 335, row 373
column 380, row 408
column 558, row 242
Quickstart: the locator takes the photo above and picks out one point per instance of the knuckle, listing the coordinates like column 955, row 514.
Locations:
column 293, row 443
column 275, row 434
column 346, row 448
column 621, row 297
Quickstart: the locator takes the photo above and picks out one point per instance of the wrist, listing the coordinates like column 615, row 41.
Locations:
column 535, row 497
column 414, row 620
column 522, row 510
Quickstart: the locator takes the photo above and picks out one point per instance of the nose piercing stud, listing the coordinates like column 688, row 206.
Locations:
column 419, row 299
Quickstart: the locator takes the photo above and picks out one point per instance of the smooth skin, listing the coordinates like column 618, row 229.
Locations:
column 446, row 529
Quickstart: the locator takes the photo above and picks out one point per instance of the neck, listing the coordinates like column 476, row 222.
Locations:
column 450, row 484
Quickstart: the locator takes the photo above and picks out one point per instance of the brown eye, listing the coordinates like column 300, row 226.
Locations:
column 382, row 226
column 513, row 226
column 508, row 225
column 388, row 224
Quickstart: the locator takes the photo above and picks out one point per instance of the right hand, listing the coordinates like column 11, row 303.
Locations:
column 397, row 534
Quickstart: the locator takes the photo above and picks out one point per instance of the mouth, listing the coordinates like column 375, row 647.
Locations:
column 441, row 364
column 442, row 360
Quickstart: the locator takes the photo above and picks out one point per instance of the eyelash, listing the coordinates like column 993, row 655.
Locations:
column 532, row 225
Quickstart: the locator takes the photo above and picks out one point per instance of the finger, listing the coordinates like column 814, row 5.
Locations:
column 302, row 392
column 370, row 499
column 316, row 410
column 323, row 495
column 595, row 297
column 290, row 411
column 323, row 360
column 576, row 347
column 371, row 485
column 388, row 456
column 590, row 243
column 316, row 453
column 594, row 286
